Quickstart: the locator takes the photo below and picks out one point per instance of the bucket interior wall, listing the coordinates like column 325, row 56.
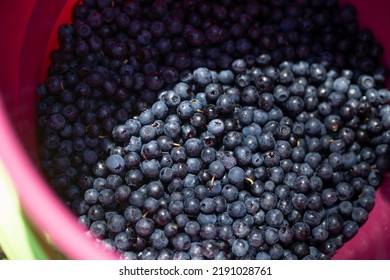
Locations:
column 28, row 29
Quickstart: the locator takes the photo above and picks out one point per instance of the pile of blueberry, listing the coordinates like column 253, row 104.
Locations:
column 260, row 163
column 216, row 129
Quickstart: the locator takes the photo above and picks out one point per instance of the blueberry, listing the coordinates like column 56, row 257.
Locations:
column 240, row 228
column 204, row 219
column 236, row 176
column 134, row 126
column 207, row 206
column 345, row 191
column 345, row 208
column 329, row 196
column 123, row 241
column 198, row 120
column 225, row 232
column 210, row 249
column 150, row 168
column 147, row 133
column 99, row 229
column 294, row 105
column 202, row 76
column 148, row 254
column 181, row 242
column 334, row 223
column 302, row 184
column 274, row 217
column 91, row 196
column 158, row 239
column 225, row 103
column 252, row 129
column 314, row 201
column 216, row 127
column 313, row 127
column 263, row 256
column 193, row 147
column 243, row 155
column 114, row 181
column 208, row 139
column 226, row 77
column 230, row 193
column 172, row 129
column 116, row 223
column 240, row 247
column 257, row 159
column 150, row 205
column 84, row 221
column 286, row 234
column 366, row 201
column 299, row 201
column 137, row 198
column 115, row 163
column 195, row 250
column 268, row 200
column 146, row 117
column 276, row 251
column 192, row 228
column 271, row 158
column 145, row 227
column 275, row 175
column 341, row 84
column 313, row 159
column 312, row 218
column 185, row 109
column 271, row 235
column 134, row 145
column 359, row 215
column 95, row 212
column 194, row 165
column 178, row 154
column 150, row 150
column 170, row 229
column 106, row 197
column 228, row 160
column 366, row 82
column 236, row 209
column 221, row 204
column 121, row 133
column 132, row 214
column 239, row 65
column 155, row 189
column 324, row 171
column 160, row 110
column 350, row 229
column 190, row 181
column 232, row 139
column 208, row 231
column 172, row 98
column 213, row 91
column 301, row 231
column 266, row 141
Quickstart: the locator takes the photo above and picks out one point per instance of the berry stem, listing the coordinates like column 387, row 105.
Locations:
column 249, row 180
column 212, row 182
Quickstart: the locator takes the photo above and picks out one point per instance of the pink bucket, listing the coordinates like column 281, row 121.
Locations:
column 28, row 29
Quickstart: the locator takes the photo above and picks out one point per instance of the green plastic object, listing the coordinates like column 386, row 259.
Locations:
column 17, row 238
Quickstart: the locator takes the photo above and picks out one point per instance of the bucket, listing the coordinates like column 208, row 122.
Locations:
column 28, row 29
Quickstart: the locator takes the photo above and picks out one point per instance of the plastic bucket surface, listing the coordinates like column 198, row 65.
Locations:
column 28, row 29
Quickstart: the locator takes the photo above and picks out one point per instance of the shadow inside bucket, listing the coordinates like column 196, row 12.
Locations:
column 384, row 189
